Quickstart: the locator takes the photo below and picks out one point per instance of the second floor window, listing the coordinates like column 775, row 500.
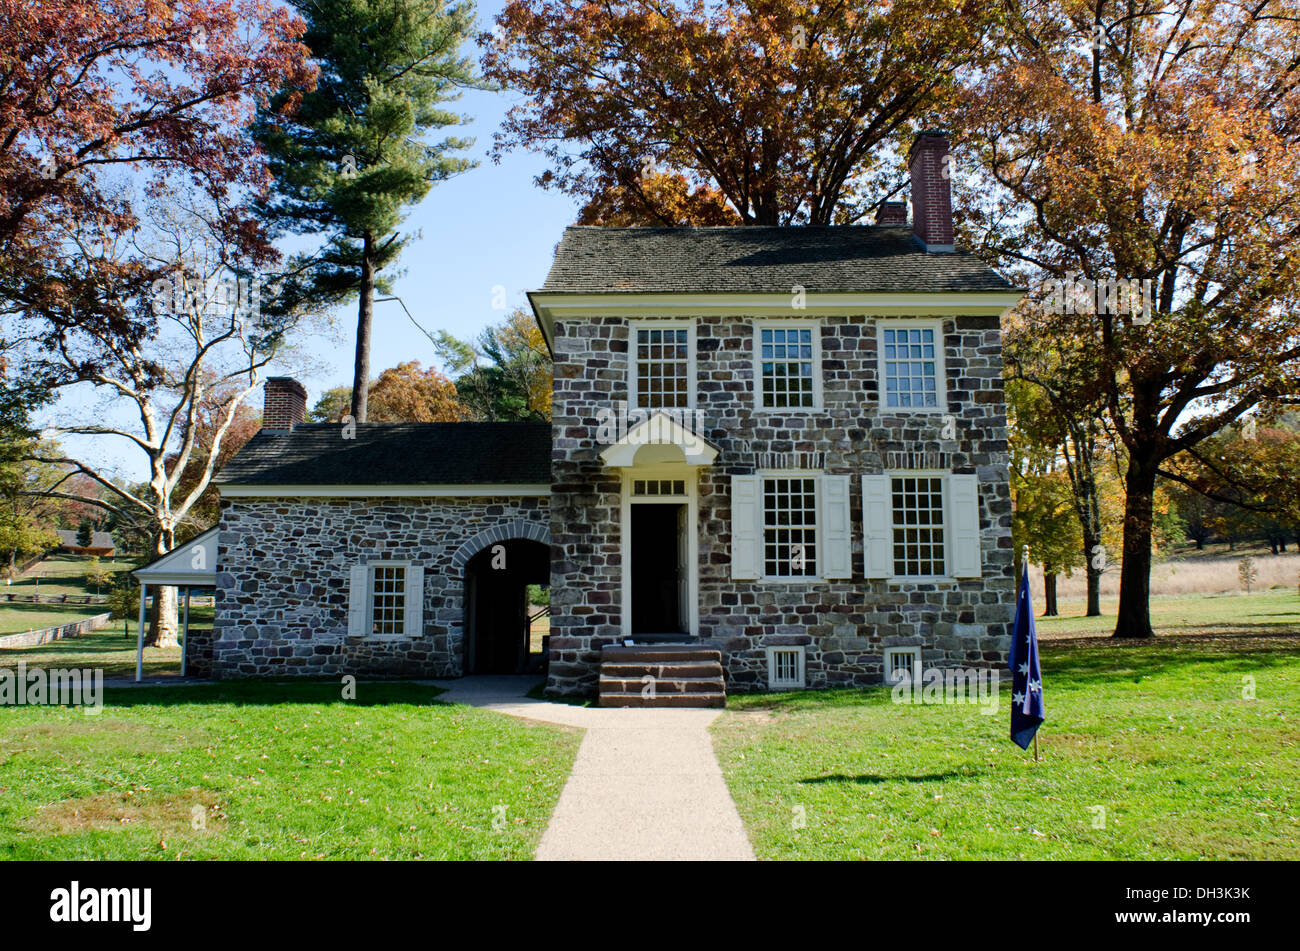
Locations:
column 662, row 366
column 787, row 365
column 911, row 367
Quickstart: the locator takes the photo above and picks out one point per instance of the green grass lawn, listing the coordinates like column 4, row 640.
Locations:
column 276, row 771
column 64, row 574
column 17, row 618
column 1157, row 734
column 1263, row 611
column 105, row 649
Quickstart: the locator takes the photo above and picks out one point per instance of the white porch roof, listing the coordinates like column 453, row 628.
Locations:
column 190, row 565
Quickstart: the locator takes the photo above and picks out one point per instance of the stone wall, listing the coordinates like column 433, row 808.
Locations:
column 283, row 575
column 58, row 632
column 844, row 625
column 198, row 652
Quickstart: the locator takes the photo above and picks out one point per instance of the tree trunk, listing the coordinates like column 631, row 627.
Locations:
column 163, row 630
column 365, row 314
column 1091, row 540
column 1049, row 595
column 1134, row 618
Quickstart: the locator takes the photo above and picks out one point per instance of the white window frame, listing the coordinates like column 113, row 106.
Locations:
column 800, row 680
column 811, row 324
column 940, row 368
column 370, row 600
column 817, row 577
column 942, row 475
column 692, row 379
column 886, row 663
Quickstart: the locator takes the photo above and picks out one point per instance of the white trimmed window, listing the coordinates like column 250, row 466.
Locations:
column 785, row 667
column 662, row 366
column 921, row 525
column 386, row 599
column 788, row 365
column 917, row 510
column 902, row 662
column 911, row 366
column 790, row 525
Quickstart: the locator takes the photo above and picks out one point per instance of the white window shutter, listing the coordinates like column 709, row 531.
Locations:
column 746, row 546
column 414, row 626
column 357, row 595
column 877, row 527
column 833, row 527
column 964, row 526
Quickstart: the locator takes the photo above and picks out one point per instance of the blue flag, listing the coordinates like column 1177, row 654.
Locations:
column 1026, row 676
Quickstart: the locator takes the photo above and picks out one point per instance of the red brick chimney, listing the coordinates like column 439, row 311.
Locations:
column 286, row 403
column 892, row 213
column 931, row 191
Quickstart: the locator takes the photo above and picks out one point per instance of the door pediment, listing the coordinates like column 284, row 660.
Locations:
column 661, row 429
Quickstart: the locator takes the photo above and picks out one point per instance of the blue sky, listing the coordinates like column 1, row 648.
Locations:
column 487, row 227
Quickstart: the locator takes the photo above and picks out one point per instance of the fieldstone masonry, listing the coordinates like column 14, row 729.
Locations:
column 843, row 625
column 282, row 582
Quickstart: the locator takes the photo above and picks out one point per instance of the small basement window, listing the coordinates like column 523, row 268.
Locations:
column 902, row 662
column 785, row 667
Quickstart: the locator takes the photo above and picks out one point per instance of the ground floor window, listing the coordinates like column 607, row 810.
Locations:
column 388, row 599
column 789, row 527
column 918, row 522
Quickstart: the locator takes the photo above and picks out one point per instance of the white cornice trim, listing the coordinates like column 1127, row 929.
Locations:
column 551, row 305
column 380, row 491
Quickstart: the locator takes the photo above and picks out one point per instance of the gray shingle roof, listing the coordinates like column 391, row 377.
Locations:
column 759, row 260
column 396, row 454
column 68, row 539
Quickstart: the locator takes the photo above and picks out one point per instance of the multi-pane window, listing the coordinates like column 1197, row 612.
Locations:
column 786, row 362
column 663, row 363
column 789, row 527
column 911, row 367
column 388, row 599
column 918, row 526
column 658, row 487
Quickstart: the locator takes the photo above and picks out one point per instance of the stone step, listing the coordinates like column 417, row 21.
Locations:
column 716, row 699
column 629, row 685
column 676, row 668
column 658, row 653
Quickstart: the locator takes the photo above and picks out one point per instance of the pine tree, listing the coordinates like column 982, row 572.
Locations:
column 349, row 158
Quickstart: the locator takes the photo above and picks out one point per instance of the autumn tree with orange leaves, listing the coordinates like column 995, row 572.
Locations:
column 1152, row 140
column 658, row 113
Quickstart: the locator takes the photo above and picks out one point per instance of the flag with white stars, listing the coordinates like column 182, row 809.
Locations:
column 1026, row 676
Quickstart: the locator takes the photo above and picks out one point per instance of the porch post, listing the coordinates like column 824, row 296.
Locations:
column 185, row 643
column 139, row 638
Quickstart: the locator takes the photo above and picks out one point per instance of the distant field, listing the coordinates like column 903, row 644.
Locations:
column 1269, row 612
column 106, row 649
column 64, row 574
column 1187, row 571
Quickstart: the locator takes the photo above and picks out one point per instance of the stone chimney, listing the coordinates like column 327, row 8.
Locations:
column 892, row 213
column 931, row 191
column 286, row 404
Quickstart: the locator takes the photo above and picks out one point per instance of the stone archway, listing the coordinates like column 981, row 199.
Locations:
column 517, row 528
column 497, row 630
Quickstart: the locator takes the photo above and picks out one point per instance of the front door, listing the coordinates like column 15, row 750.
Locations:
column 658, row 568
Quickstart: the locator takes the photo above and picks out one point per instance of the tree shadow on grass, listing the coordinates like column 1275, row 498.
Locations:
column 866, row 779
column 1084, row 660
column 270, row 693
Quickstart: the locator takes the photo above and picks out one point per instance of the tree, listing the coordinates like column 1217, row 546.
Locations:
column 405, row 393
column 89, row 88
column 503, row 374
column 351, row 158
column 784, row 109
column 205, row 359
column 85, row 533
column 1169, row 154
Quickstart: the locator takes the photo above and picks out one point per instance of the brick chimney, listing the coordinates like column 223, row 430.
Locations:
column 892, row 213
column 285, row 405
column 931, row 191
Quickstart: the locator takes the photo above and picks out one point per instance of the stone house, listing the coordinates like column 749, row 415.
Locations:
column 777, row 458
